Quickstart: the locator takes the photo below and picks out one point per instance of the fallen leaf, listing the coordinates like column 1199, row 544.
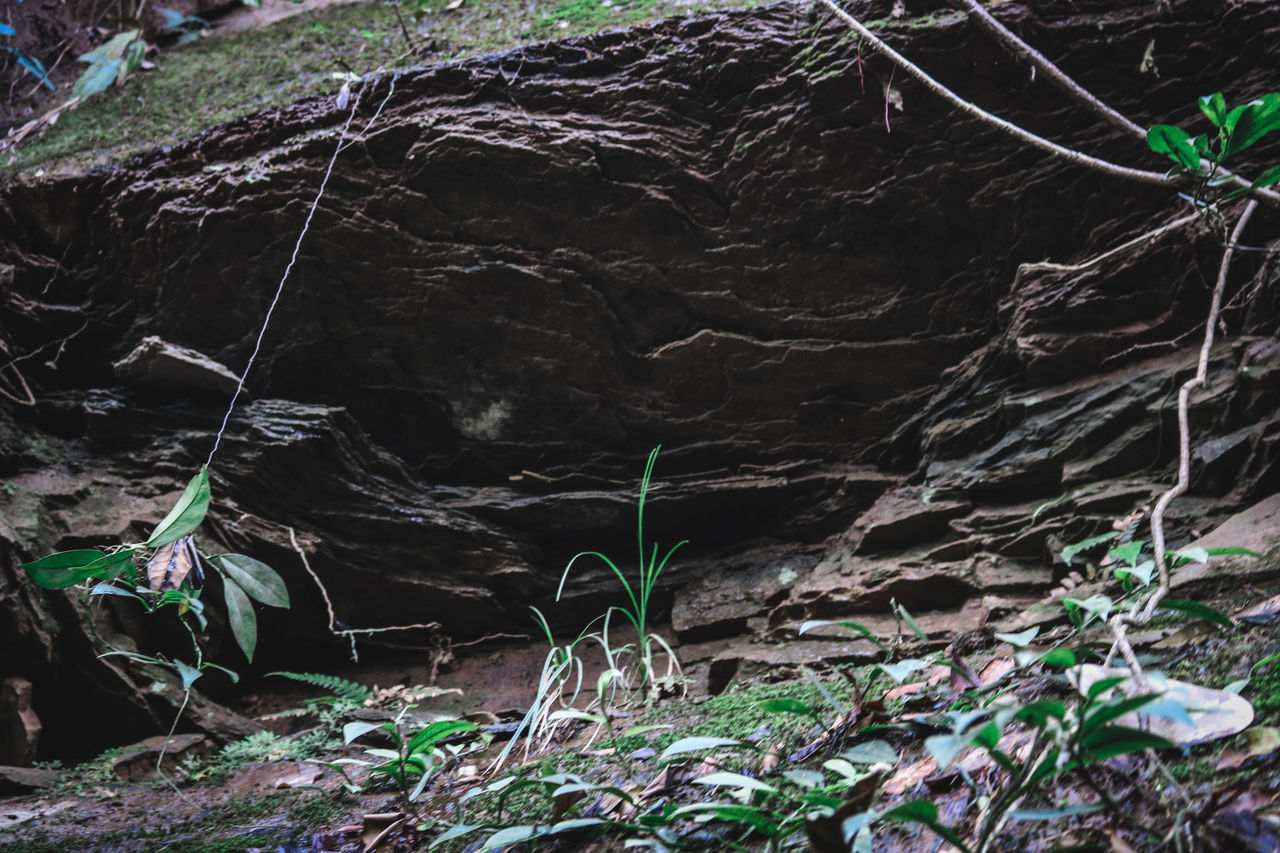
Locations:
column 1187, row 635
column 910, row 776
column 899, row 692
column 1118, row 844
column 1261, row 613
column 1259, row 740
column 453, row 4
column 995, row 670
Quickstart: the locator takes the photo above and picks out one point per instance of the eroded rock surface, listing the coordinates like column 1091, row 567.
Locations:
column 711, row 234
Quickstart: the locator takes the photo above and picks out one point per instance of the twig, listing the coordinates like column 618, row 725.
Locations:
column 1142, row 610
column 1069, row 154
column 1081, row 95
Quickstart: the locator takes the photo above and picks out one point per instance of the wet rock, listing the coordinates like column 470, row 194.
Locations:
column 19, row 726
column 907, row 516
column 720, row 604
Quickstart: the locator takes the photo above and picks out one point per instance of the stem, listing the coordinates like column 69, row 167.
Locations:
column 1082, row 96
column 1071, row 155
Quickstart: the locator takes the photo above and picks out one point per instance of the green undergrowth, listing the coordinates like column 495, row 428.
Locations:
column 229, row 75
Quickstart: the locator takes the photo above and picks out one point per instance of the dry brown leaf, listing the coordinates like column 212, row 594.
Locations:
column 1214, row 713
column 910, row 776
column 1259, row 740
column 996, row 670
column 1118, row 844
column 905, row 689
column 1265, row 611
column 300, row 778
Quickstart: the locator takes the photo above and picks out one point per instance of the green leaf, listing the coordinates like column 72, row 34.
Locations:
column 1102, row 685
column 1266, row 179
column 1113, row 709
column 1059, row 657
column 786, row 706
column 1143, row 572
column 186, row 514
column 1175, row 143
column 695, row 744
column 353, row 730
column 1056, row 814
column 871, row 752
column 1117, row 740
column 112, row 589
column 751, row 816
column 244, row 623
column 259, row 581
column 113, row 49
column 1128, row 552
column 1251, row 122
column 805, row 627
column 1227, row 552
column 1039, row 713
column 187, row 673
column 436, row 732
column 1085, row 544
column 900, row 670
column 1197, row 610
column 1214, row 108
column 97, row 79
column 734, row 780
column 1095, row 605
column 945, row 748
column 68, row 568
column 925, row 812
column 1020, row 640
column 911, row 622
column 1188, row 555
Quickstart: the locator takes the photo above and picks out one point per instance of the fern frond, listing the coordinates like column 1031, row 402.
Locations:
column 343, row 689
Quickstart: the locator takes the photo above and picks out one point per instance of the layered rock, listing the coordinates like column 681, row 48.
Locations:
column 715, row 234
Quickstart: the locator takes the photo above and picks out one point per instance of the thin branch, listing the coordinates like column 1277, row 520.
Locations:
column 1069, row 154
column 1143, row 609
column 1184, row 430
column 1073, row 90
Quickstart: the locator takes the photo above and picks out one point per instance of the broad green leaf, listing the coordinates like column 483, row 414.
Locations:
column 259, row 581
column 1198, row 610
column 186, row 514
column 1251, row 122
column 1116, row 740
column 97, row 79
column 1269, row 659
column 809, row 779
column 112, row 49
column 695, row 744
column 133, row 57
column 1039, row 713
column 1098, row 606
column 187, row 673
column 871, row 752
column 1020, row 640
column 1059, row 657
column 575, row 714
column 1214, row 108
column 1128, row 552
column 1175, row 143
column 1085, row 544
column 436, row 732
column 244, row 623
column 1143, row 572
column 945, row 748
column 1056, row 814
column 353, row 730
column 66, row 568
column 900, row 670
column 925, row 812
column 506, row 837
column 1102, row 685
column 1189, row 555
column 734, row 780
column 786, row 706
column 1114, row 708
column 231, row 673
column 456, row 831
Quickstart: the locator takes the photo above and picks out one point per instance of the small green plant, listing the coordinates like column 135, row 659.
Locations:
column 1235, row 130
column 639, row 595
column 33, row 65
column 416, row 756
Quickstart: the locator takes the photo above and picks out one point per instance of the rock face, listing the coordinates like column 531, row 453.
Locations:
column 715, row 234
